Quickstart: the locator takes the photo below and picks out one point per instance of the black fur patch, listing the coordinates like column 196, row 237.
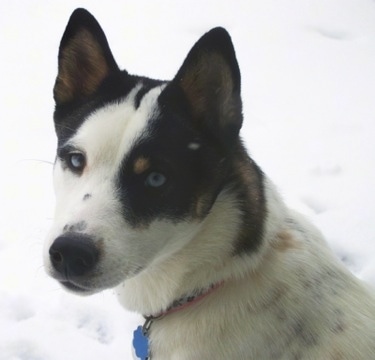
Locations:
column 86, row 197
column 190, row 175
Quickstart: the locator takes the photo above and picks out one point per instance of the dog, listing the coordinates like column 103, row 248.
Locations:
column 157, row 198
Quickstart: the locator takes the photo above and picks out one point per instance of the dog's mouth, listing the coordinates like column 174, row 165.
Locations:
column 70, row 286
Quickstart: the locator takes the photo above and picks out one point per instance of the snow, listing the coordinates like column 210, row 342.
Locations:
column 308, row 75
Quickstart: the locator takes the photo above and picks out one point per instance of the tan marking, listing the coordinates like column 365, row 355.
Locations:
column 336, row 355
column 200, row 206
column 141, row 165
column 286, row 242
column 100, row 245
column 249, row 176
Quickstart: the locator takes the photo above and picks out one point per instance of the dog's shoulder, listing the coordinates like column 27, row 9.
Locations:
column 299, row 303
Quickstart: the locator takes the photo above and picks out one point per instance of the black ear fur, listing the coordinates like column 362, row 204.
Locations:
column 84, row 60
column 211, row 83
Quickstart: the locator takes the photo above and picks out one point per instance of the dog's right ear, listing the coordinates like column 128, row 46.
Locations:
column 209, row 80
column 84, row 60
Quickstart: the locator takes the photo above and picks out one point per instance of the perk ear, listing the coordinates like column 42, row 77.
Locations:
column 84, row 60
column 210, row 81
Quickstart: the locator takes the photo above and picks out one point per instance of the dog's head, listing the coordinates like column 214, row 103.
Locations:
column 140, row 162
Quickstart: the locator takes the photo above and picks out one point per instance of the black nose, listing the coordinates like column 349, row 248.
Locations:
column 73, row 255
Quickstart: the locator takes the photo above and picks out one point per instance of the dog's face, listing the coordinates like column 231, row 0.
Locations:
column 139, row 162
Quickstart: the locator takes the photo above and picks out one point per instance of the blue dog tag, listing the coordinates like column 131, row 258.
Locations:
column 140, row 344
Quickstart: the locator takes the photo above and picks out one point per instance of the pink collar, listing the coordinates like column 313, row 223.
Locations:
column 186, row 301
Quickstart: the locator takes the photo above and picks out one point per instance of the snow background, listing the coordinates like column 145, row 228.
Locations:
column 308, row 74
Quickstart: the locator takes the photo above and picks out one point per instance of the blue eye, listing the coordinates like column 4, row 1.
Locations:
column 155, row 180
column 76, row 161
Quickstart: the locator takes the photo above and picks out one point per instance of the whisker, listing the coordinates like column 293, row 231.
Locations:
column 66, row 127
column 36, row 160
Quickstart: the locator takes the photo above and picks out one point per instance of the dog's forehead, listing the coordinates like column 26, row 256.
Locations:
column 109, row 132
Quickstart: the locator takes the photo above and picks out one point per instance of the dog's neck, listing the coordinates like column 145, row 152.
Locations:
column 185, row 301
column 207, row 259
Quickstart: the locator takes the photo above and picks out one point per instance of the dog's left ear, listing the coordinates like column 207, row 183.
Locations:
column 210, row 82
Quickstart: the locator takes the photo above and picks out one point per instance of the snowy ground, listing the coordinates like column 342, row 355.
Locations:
column 308, row 71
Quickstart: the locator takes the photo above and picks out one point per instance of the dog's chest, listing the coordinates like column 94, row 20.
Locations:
column 216, row 337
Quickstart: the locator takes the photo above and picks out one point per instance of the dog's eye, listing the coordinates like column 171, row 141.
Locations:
column 155, row 180
column 76, row 161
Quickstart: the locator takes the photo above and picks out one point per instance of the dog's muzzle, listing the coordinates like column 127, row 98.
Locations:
column 73, row 256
